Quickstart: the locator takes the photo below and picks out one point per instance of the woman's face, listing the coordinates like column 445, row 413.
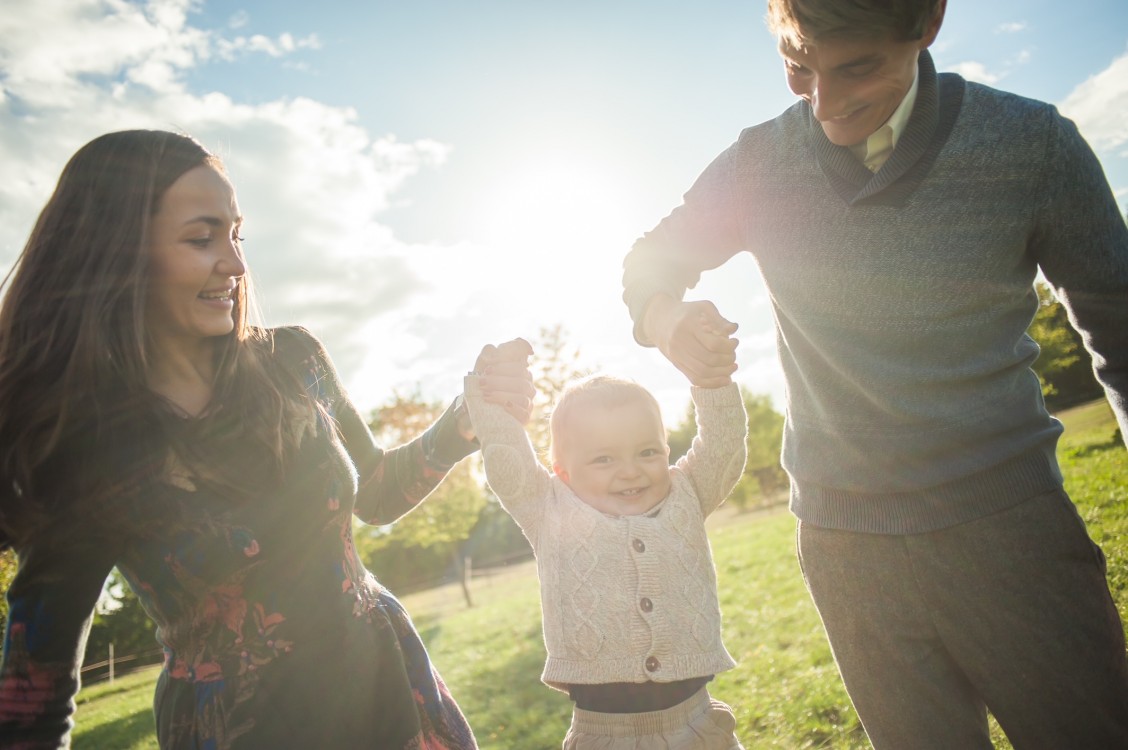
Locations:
column 195, row 259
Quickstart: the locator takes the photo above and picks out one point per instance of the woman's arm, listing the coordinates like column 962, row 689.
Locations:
column 50, row 608
column 1081, row 244
column 392, row 482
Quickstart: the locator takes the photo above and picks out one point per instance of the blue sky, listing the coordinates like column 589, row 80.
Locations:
column 422, row 178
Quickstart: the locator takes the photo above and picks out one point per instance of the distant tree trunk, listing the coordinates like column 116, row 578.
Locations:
column 768, row 477
column 464, row 567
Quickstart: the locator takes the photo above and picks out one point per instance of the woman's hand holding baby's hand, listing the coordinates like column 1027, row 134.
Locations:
column 504, row 377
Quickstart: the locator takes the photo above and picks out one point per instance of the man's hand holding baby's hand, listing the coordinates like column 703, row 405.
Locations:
column 694, row 337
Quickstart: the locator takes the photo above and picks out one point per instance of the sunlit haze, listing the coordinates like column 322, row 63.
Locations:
column 420, row 179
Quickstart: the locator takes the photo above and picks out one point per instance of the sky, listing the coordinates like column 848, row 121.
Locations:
column 422, row 178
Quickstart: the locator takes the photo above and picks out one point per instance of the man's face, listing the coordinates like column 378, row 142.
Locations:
column 852, row 84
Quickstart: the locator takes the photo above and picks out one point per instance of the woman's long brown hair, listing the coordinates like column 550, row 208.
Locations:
column 78, row 422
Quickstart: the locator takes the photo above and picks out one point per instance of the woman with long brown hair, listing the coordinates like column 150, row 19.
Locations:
column 144, row 423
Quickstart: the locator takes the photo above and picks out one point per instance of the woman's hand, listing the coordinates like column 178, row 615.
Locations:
column 505, row 380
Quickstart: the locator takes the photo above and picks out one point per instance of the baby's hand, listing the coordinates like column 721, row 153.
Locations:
column 716, row 333
column 694, row 337
column 504, row 377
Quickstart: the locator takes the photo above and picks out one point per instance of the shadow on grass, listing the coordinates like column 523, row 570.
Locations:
column 512, row 707
column 125, row 683
column 1092, row 449
column 428, row 627
column 120, row 733
column 504, row 700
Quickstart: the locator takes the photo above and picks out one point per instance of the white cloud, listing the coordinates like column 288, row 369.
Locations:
column 311, row 180
column 976, row 71
column 1012, row 27
column 1099, row 106
column 284, row 44
column 48, row 48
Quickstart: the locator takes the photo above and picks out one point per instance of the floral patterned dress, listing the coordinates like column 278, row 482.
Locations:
column 275, row 635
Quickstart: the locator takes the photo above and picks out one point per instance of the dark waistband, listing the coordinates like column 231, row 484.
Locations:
column 634, row 697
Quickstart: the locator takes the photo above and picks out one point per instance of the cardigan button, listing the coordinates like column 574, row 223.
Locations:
column 645, row 604
column 639, row 545
column 652, row 664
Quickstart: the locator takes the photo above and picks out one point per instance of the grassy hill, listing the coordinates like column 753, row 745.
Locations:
column 786, row 691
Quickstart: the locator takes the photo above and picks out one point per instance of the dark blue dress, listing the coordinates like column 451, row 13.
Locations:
column 275, row 635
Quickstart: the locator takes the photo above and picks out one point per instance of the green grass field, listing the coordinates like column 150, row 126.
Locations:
column 785, row 692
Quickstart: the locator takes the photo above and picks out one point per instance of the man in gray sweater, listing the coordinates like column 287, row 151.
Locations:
column 899, row 218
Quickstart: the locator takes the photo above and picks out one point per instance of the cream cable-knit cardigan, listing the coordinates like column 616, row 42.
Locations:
column 623, row 598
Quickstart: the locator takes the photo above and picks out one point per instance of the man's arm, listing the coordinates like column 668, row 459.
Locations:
column 1081, row 245
column 700, row 234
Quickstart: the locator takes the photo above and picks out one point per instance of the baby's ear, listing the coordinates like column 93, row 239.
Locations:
column 558, row 470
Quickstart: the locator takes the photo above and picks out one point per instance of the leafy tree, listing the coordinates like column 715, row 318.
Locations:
column 451, row 511
column 442, row 523
column 555, row 364
column 496, row 538
column 1064, row 367
column 681, row 437
column 119, row 619
column 7, row 573
column 763, row 476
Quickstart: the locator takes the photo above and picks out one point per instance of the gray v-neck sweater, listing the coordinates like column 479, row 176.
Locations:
column 902, row 298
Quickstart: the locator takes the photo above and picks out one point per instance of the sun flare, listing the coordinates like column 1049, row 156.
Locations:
column 555, row 205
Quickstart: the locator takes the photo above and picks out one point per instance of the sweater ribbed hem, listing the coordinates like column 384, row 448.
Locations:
column 559, row 673
column 921, row 511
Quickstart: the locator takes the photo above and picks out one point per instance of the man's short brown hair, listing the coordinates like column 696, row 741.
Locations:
column 802, row 22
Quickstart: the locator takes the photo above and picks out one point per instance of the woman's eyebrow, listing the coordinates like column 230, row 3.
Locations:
column 213, row 221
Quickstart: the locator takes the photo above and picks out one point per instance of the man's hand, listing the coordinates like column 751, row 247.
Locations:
column 694, row 337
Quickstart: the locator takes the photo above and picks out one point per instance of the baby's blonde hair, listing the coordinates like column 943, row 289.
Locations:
column 603, row 391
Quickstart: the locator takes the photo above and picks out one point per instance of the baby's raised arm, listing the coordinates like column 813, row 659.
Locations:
column 715, row 460
column 512, row 470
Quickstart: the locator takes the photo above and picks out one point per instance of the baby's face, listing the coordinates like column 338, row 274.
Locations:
column 616, row 460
